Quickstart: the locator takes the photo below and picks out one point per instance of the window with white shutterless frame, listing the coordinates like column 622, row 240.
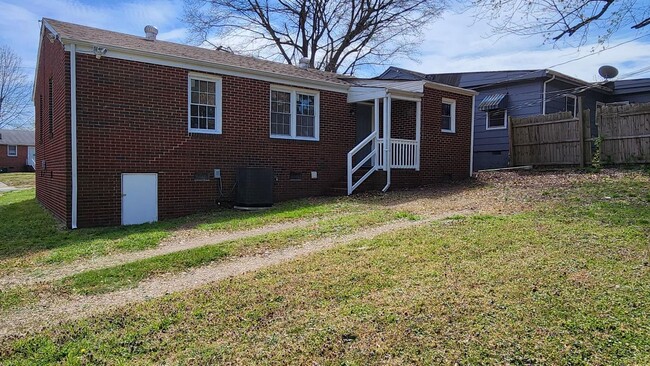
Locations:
column 448, row 114
column 294, row 113
column 204, row 104
column 12, row 150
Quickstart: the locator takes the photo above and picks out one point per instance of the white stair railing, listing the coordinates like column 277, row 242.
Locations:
column 372, row 138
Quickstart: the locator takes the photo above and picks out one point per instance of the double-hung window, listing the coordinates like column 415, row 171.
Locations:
column 570, row 104
column 294, row 113
column 448, row 115
column 204, row 100
column 12, row 150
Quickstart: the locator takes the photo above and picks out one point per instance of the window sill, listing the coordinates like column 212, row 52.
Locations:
column 496, row 128
column 287, row 137
column 448, row 131
column 206, row 132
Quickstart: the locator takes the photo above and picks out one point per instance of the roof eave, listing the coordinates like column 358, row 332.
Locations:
column 326, row 85
column 449, row 88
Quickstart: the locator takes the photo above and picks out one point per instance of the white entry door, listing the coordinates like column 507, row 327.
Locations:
column 139, row 198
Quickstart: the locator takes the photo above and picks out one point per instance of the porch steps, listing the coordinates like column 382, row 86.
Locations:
column 340, row 187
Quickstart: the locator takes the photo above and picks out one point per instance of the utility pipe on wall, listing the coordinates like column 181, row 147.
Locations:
column 544, row 94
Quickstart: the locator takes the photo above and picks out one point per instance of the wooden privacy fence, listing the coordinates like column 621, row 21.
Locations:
column 561, row 139
column 552, row 139
column 624, row 133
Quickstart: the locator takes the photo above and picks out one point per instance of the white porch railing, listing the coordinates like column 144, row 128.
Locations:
column 404, row 154
column 371, row 139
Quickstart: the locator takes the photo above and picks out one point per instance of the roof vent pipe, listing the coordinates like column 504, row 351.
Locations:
column 304, row 63
column 150, row 32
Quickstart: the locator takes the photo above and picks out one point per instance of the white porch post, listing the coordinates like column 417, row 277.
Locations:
column 375, row 159
column 418, row 123
column 387, row 144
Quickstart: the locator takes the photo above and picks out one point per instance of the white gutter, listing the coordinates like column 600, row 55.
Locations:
column 471, row 145
column 544, row 94
column 73, row 129
column 449, row 88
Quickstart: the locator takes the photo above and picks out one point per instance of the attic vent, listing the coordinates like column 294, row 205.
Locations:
column 304, row 63
column 150, row 32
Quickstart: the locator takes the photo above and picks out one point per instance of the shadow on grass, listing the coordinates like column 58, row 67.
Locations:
column 26, row 228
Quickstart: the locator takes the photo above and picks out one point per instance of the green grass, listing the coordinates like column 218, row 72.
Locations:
column 18, row 180
column 29, row 236
column 564, row 284
column 130, row 274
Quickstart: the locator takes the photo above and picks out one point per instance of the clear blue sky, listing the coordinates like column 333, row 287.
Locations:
column 453, row 43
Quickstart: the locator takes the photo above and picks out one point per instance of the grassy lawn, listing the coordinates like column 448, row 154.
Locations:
column 565, row 283
column 131, row 274
column 29, row 236
column 18, row 180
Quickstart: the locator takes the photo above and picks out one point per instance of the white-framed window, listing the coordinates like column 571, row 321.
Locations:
column 12, row 150
column 204, row 104
column 294, row 113
column 448, row 115
column 496, row 119
column 571, row 104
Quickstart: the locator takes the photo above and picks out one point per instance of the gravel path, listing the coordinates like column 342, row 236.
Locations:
column 178, row 242
column 53, row 311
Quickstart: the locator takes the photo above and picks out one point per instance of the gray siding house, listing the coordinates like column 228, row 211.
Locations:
column 519, row 93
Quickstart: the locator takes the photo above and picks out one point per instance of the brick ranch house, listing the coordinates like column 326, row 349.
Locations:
column 17, row 151
column 131, row 129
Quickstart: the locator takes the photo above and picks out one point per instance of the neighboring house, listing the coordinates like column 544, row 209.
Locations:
column 17, row 153
column 132, row 129
column 521, row 93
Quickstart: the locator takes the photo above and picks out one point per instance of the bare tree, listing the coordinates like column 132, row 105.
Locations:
column 556, row 20
column 335, row 35
column 14, row 90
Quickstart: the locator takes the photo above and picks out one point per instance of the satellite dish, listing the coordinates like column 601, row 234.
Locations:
column 608, row 72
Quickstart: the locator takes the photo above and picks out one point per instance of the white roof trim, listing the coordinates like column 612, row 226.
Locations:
column 449, row 88
column 203, row 66
column 364, row 93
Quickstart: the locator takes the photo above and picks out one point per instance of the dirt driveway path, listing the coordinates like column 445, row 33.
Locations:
column 176, row 243
column 54, row 311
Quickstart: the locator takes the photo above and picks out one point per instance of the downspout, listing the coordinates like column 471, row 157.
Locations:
column 73, row 129
column 387, row 150
column 544, row 94
column 471, row 144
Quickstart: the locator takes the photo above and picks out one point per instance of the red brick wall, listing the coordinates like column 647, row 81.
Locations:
column 443, row 156
column 53, row 189
column 13, row 163
column 132, row 117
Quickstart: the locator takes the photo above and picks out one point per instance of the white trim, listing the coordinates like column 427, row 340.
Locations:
column 218, row 85
column 388, row 161
column 452, row 103
column 505, row 120
column 204, row 66
column 471, row 144
column 292, row 123
column 73, row 130
column 449, row 88
column 544, row 93
column 418, row 128
column 575, row 103
column 9, row 154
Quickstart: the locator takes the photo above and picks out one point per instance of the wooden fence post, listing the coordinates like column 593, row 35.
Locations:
column 581, row 132
column 511, row 142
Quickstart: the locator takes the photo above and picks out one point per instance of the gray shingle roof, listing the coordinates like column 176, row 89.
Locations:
column 16, row 137
column 75, row 32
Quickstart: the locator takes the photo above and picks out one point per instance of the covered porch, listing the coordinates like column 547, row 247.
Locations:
column 385, row 108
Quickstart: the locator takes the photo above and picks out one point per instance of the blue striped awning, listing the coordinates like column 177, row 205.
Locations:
column 492, row 102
